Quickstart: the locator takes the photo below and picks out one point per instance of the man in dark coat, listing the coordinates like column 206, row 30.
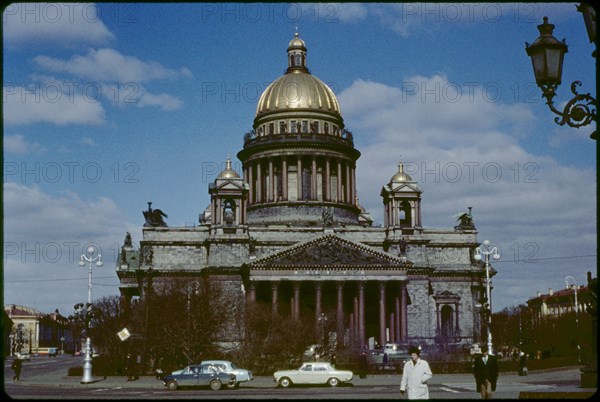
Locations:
column 17, row 366
column 486, row 373
column 363, row 365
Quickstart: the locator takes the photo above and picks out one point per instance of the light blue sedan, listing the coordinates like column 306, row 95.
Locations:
column 241, row 375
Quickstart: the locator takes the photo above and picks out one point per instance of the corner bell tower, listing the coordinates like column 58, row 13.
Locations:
column 402, row 203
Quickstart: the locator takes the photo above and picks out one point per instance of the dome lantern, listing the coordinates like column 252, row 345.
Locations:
column 297, row 55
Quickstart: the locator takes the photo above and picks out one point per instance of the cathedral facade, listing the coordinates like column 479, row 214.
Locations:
column 291, row 233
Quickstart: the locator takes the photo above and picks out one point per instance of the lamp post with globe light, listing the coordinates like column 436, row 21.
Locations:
column 484, row 252
column 92, row 255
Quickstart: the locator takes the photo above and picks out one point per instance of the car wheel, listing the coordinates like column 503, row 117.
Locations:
column 172, row 385
column 215, row 385
column 285, row 382
column 333, row 382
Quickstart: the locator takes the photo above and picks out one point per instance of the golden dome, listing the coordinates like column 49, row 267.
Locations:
column 228, row 172
column 298, row 90
column 400, row 176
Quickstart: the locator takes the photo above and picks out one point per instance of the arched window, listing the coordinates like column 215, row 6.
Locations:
column 229, row 212
column 405, row 214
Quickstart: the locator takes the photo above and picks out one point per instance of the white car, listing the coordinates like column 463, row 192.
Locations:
column 241, row 375
column 313, row 373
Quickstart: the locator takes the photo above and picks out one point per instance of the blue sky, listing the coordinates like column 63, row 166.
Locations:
column 109, row 106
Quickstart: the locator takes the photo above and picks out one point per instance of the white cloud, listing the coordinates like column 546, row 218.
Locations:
column 89, row 141
column 466, row 154
column 110, row 65
column 44, row 104
column 17, row 144
column 163, row 101
column 109, row 75
column 456, row 106
column 44, row 236
column 62, row 24
column 350, row 12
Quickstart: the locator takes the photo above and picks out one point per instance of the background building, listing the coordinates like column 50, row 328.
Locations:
column 291, row 232
column 557, row 303
column 31, row 329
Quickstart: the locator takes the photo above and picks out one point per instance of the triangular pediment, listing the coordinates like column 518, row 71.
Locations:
column 230, row 185
column 407, row 188
column 329, row 251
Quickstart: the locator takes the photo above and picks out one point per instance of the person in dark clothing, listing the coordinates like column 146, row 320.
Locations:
column 159, row 370
column 17, row 366
column 522, row 364
column 363, row 365
column 486, row 373
column 131, row 368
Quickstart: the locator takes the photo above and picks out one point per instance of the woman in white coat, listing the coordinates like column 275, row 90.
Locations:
column 415, row 375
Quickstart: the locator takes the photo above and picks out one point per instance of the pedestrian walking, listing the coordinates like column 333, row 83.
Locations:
column 159, row 370
column 486, row 373
column 522, row 364
column 17, row 366
column 415, row 375
column 363, row 365
column 130, row 368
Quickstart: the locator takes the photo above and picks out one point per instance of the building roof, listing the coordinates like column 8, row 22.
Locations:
column 17, row 310
column 556, row 297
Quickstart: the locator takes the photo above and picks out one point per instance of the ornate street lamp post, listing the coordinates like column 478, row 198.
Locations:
column 485, row 252
column 12, row 346
column 62, row 345
column 547, row 55
column 570, row 283
column 91, row 256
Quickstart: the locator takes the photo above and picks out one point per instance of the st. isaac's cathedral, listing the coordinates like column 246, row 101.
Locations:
column 291, row 233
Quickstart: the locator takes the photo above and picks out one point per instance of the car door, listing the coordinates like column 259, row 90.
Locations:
column 189, row 377
column 305, row 374
column 320, row 374
column 207, row 373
